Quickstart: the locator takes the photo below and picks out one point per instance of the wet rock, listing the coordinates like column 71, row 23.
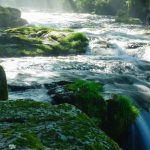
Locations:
column 3, row 85
column 11, row 17
column 40, row 41
column 16, row 88
column 128, row 20
column 135, row 45
column 26, row 124
column 59, row 93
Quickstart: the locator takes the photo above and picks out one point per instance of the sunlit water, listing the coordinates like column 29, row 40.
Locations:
column 118, row 56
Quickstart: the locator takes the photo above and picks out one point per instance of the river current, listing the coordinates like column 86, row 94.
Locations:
column 118, row 56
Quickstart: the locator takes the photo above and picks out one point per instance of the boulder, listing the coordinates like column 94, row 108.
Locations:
column 3, row 85
column 41, row 41
column 11, row 17
column 26, row 124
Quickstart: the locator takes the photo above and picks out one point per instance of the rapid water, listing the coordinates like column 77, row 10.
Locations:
column 118, row 56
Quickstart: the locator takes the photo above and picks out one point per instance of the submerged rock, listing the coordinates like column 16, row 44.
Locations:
column 11, row 17
column 40, row 41
column 128, row 20
column 3, row 85
column 26, row 124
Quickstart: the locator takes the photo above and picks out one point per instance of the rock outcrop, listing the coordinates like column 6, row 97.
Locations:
column 10, row 17
column 3, row 85
column 40, row 41
column 26, row 124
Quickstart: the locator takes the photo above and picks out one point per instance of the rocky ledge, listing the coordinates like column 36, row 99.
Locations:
column 40, row 41
column 10, row 17
column 3, row 85
column 26, row 124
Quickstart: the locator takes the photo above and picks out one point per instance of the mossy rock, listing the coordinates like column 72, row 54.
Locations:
column 113, row 116
column 26, row 124
column 85, row 95
column 121, row 114
column 3, row 85
column 40, row 41
column 11, row 17
column 128, row 20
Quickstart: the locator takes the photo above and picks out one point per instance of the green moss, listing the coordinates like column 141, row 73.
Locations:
column 10, row 17
column 87, row 98
column 39, row 41
column 26, row 124
column 29, row 140
column 121, row 114
column 113, row 116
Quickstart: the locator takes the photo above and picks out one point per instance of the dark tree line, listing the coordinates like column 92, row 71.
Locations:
column 133, row 8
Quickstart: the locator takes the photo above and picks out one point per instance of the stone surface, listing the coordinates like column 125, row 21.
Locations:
column 40, row 41
column 3, row 85
column 10, row 17
column 34, row 125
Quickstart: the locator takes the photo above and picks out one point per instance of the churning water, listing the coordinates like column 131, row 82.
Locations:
column 118, row 56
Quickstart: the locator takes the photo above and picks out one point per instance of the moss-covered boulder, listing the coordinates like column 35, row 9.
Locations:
column 113, row 116
column 10, row 17
column 85, row 95
column 39, row 41
column 3, row 85
column 26, row 124
column 128, row 20
column 121, row 114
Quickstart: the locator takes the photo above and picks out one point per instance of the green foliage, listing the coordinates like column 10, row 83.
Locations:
column 133, row 8
column 29, row 140
column 106, row 7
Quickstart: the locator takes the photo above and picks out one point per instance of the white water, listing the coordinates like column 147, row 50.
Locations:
column 118, row 56
column 108, row 60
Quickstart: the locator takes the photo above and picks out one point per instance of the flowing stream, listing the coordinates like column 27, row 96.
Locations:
column 118, row 56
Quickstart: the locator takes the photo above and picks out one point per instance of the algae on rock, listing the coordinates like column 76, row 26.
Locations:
column 26, row 124
column 40, row 41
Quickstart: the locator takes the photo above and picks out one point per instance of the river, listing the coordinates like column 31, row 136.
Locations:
column 118, row 56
